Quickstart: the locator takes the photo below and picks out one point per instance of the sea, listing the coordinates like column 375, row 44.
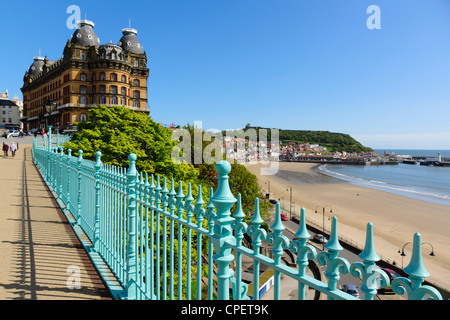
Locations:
column 426, row 183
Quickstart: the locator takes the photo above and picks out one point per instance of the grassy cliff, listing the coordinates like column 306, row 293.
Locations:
column 331, row 140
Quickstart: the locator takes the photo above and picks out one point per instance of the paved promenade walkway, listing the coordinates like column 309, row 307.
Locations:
column 40, row 256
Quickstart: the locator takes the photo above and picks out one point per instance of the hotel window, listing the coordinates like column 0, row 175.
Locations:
column 136, row 94
column 94, row 77
column 114, row 89
column 102, row 89
column 113, row 77
column 124, row 79
column 102, row 100
column 83, row 117
column 136, row 63
column 83, row 77
column 123, row 91
column 136, row 103
column 83, row 56
column 113, row 100
column 82, row 100
column 136, row 83
column 83, row 89
column 122, row 101
column 102, row 76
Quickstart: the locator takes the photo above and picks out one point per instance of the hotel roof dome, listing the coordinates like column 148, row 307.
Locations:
column 129, row 41
column 36, row 66
column 85, row 34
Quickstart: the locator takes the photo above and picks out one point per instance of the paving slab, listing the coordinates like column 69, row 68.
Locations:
column 41, row 257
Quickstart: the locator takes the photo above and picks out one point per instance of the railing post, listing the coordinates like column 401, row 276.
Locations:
column 303, row 250
column 60, row 193
column 417, row 274
column 131, row 222
column 49, row 155
column 331, row 259
column 97, row 166
column 69, row 155
column 370, row 276
column 50, row 137
column 79, row 161
column 223, row 200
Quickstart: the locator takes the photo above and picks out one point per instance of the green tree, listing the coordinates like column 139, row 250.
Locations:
column 118, row 131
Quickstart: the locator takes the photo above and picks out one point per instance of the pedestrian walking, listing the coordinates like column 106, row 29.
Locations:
column 5, row 149
column 13, row 149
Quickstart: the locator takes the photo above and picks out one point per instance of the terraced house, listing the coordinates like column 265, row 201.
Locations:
column 61, row 92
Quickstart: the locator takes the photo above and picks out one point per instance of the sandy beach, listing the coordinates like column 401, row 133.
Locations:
column 395, row 218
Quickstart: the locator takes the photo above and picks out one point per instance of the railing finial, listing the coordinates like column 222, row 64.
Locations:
column 415, row 267
column 369, row 253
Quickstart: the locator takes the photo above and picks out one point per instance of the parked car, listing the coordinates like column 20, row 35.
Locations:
column 284, row 217
column 392, row 275
column 351, row 289
column 11, row 133
column 320, row 238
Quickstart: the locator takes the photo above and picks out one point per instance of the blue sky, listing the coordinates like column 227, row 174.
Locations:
column 288, row 64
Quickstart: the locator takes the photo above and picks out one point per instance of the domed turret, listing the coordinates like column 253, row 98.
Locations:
column 85, row 34
column 37, row 66
column 129, row 41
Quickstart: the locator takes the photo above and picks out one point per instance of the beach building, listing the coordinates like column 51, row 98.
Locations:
column 88, row 74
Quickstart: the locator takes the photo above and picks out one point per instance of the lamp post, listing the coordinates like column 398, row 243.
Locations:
column 402, row 251
column 323, row 221
column 290, row 202
column 49, row 106
column 281, row 200
column 268, row 190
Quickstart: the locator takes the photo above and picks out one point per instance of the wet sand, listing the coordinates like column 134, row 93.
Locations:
column 395, row 218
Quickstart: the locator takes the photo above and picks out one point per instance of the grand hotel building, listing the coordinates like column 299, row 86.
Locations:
column 87, row 75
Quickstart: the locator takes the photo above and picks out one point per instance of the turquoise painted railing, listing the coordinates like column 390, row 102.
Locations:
column 162, row 244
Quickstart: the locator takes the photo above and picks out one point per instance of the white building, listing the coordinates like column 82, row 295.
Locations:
column 9, row 112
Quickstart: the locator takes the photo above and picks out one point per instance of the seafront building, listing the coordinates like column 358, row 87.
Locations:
column 9, row 112
column 88, row 74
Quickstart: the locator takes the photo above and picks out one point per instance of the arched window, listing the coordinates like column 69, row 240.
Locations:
column 123, row 91
column 136, row 103
column 83, row 117
column 114, row 100
column 83, row 77
column 124, row 79
column 102, row 100
column 83, row 56
column 136, row 83
column 114, row 89
column 113, row 77
column 122, row 101
column 102, row 76
column 102, row 89
column 137, row 94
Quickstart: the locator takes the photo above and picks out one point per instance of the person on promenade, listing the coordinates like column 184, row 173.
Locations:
column 5, row 149
column 13, row 149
